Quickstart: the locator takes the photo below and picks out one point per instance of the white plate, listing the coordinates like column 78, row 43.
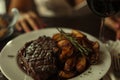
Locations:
column 11, row 70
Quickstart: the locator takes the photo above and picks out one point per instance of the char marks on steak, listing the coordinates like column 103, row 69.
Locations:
column 37, row 58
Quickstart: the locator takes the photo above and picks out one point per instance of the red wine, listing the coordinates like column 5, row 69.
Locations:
column 104, row 8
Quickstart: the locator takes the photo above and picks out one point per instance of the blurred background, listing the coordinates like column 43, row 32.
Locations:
column 82, row 18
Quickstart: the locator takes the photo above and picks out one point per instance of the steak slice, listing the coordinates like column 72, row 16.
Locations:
column 38, row 58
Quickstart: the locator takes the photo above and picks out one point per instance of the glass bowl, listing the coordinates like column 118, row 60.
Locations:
column 7, row 22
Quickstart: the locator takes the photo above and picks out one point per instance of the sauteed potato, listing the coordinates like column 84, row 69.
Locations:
column 77, row 53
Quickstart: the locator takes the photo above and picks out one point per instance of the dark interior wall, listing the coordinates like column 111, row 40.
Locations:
column 7, row 4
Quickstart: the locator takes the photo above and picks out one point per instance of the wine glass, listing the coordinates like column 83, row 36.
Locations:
column 7, row 22
column 103, row 8
column 106, row 8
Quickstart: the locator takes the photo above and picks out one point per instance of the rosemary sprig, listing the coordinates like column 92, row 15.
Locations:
column 83, row 50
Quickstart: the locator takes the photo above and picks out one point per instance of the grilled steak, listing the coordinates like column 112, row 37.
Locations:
column 37, row 58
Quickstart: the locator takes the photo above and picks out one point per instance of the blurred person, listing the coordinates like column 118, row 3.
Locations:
column 113, row 22
column 30, row 10
column 28, row 19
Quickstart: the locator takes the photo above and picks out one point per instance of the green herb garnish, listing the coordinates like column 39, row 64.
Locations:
column 84, row 51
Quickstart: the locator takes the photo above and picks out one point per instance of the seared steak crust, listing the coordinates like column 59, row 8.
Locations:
column 37, row 58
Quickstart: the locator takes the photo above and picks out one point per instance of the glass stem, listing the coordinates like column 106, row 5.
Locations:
column 101, row 33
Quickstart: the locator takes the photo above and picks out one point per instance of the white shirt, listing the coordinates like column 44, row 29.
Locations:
column 52, row 8
column 2, row 7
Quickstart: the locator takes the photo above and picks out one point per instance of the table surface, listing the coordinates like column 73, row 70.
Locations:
column 89, row 24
